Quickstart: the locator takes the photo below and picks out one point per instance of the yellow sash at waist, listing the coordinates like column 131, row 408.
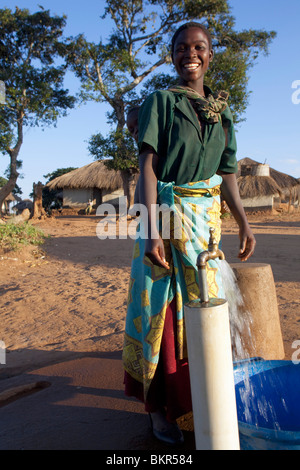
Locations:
column 197, row 192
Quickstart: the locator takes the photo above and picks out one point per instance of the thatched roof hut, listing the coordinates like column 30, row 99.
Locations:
column 254, row 179
column 289, row 185
column 93, row 182
column 93, row 175
column 284, row 181
column 9, row 199
column 259, row 184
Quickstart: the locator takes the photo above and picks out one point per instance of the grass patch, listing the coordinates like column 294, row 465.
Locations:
column 14, row 236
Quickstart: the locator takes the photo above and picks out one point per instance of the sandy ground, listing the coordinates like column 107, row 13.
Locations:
column 68, row 299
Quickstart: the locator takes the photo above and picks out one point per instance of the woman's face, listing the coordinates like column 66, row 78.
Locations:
column 192, row 55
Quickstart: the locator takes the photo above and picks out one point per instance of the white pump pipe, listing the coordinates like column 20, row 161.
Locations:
column 211, row 375
column 211, row 367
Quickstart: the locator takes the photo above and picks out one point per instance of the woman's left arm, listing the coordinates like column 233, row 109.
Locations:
column 230, row 192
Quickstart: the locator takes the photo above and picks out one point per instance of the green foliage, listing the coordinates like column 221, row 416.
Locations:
column 29, row 46
column 138, row 45
column 3, row 181
column 118, row 150
column 14, row 236
column 59, row 172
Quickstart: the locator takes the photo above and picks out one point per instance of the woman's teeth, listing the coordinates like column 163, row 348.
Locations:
column 191, row 66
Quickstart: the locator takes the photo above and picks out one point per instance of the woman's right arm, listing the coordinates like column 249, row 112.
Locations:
column 154, row 247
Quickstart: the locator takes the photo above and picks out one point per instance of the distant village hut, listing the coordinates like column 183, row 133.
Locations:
column 261, row 186
column 10, row 199
column 289, row 185
column 93, row 182
column 257, row 189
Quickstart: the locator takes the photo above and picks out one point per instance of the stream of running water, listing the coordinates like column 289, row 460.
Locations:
column 243, row 344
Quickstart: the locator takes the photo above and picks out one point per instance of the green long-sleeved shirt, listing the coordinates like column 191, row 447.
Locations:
column 169, row 124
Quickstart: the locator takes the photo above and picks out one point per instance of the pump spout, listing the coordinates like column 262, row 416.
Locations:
column 213, row 252
column 211, row 368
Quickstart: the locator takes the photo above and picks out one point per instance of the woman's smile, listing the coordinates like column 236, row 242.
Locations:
column 191, row 57
column 191, row 66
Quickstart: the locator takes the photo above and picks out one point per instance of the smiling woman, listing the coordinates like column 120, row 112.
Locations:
column 191, row 54
column 186, row 141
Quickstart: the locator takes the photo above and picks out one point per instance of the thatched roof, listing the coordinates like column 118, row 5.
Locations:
column 252, row 186
column 12, row 198
column 94, row 175
column 284, row 181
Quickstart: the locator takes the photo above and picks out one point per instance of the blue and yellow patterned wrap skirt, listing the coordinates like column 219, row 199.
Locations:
column 186, row 213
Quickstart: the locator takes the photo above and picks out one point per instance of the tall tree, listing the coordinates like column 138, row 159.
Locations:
column 139, row 45
column 29, row 46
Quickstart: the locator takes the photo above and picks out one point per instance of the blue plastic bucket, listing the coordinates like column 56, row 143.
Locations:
column 268, row 404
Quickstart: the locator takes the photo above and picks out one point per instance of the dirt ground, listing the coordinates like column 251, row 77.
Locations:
column 68, row 298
